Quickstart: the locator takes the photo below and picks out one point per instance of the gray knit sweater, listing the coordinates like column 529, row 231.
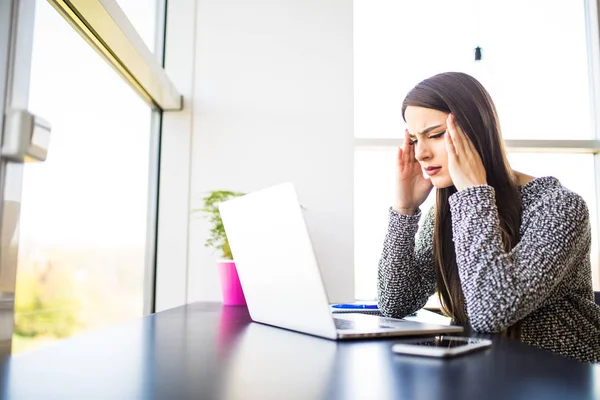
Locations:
column 545, row 281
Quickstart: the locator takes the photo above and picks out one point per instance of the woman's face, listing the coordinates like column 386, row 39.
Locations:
column 426, row 129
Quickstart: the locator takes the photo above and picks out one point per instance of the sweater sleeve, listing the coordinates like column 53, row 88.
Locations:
column 406, row 277
column 501, row 288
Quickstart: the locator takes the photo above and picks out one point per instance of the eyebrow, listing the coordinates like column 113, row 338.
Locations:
column 425, row 131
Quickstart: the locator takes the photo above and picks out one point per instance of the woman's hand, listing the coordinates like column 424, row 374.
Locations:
column 464, row 164
column 412, row 188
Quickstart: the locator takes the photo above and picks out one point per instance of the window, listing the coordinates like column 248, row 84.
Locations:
column 83, row 231
column 521, row 68
column 143, row 15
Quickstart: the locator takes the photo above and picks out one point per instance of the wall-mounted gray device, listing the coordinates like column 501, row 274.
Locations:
column 26, row 137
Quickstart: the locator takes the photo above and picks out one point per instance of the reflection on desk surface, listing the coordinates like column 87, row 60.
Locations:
column 256, row 362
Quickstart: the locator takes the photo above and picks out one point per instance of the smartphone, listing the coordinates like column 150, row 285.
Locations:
column 440, row 346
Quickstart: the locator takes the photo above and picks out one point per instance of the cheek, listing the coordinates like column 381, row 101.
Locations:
column 440, row 153
column 442, row 180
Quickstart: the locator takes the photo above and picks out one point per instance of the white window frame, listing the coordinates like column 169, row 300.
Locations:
column 106, row 28
column 592, row 9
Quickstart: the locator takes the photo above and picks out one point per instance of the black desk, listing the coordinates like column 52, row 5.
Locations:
column 206, row 351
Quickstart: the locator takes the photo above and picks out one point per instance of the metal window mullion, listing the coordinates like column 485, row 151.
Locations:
column 593, row 47
column 154, row 173
column 16, row 43
column 152, row 214
column 591, row 146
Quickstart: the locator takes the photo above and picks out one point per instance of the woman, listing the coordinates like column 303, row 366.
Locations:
column 506, row 252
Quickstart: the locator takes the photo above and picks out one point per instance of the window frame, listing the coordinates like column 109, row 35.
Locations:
column 107, row 29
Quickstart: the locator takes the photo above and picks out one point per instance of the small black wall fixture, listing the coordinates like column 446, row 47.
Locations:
column 477, row 53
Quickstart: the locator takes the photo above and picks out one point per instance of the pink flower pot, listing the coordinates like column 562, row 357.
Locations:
column 233, row 295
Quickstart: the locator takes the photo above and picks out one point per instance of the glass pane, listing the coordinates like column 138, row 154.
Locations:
column 374, row 194
column 531, row 69
column 538, row 70
column 143, row 15
column 82, row 237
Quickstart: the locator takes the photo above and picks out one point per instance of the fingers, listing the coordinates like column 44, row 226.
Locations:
column 463, row 145
column 409, row 150
column 402, row 149
column 456, row 137
column 471, row 145
column 450, row 148
column 400, row 156
column 406, row 144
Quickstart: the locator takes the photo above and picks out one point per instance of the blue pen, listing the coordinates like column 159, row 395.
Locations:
column 362, row 306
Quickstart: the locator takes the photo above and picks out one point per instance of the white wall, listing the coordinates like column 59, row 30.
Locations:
column 272, row 102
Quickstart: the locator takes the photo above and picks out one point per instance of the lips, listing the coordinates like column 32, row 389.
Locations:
column 432, row 170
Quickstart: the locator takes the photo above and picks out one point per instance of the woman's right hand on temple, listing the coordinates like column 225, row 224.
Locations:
column 412, row 188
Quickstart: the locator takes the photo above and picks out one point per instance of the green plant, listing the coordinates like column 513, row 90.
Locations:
column 47, row 308
column 217, row 239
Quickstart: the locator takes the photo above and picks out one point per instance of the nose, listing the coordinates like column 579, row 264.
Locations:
column 422, row 151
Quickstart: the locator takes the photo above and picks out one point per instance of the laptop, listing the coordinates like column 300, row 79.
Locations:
column 280, row 275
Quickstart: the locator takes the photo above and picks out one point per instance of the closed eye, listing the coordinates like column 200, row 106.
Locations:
column 437, row 135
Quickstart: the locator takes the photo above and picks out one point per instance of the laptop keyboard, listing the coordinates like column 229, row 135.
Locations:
column 343, row 323
column 368, row 312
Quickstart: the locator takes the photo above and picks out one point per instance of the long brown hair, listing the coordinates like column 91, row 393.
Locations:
column 475, row 113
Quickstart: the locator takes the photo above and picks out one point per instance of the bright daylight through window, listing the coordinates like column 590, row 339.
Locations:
column 82, row 238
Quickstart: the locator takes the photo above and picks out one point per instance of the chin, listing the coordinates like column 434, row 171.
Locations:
column 441, row 182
